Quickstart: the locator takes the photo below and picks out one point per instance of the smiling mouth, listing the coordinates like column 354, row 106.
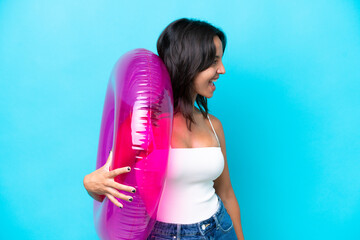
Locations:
column 212, row 82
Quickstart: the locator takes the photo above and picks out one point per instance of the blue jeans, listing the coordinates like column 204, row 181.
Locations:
column 219, row 226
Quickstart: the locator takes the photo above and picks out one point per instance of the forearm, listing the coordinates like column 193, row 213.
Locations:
column 232, row 206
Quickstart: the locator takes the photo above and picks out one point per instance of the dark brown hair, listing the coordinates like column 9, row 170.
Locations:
column 187, row 47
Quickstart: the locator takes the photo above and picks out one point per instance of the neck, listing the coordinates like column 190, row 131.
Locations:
column 193, row 103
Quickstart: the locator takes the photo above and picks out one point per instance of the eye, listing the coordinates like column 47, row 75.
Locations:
column 215, row 62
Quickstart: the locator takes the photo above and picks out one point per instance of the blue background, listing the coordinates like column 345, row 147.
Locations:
column 289, row 104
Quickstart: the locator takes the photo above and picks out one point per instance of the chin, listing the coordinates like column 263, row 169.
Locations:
column 209, row 95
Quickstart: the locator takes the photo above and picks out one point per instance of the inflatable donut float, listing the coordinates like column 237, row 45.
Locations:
column 136, row 125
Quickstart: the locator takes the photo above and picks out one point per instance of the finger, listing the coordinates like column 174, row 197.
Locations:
column 109, row 160
column 113, row 200
column 117, row 194
column 122, row 187
column 119, row 171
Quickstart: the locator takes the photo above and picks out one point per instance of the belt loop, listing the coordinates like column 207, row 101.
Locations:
column 216, row 221
column 178, row 232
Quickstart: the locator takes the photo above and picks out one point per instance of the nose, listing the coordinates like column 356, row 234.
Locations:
column 221, row 69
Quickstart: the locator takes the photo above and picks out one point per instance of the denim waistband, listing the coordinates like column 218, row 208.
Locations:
column 201, row 228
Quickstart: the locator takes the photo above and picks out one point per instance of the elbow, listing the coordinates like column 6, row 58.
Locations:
column 227, row 194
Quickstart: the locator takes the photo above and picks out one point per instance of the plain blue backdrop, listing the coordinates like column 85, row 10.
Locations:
column 289, row 103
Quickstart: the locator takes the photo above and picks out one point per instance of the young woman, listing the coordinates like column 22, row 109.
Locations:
column 198, row 201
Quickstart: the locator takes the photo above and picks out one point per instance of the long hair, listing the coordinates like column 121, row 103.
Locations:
column 187, row 47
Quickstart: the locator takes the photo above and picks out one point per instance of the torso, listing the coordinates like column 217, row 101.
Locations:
column 195, row 161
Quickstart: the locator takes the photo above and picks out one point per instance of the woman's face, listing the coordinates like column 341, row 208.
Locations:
column 204, row 81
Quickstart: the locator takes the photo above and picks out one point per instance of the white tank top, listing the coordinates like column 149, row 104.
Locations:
column 188, row 195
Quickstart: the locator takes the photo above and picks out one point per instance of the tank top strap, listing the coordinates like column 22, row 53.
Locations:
column 214, row 130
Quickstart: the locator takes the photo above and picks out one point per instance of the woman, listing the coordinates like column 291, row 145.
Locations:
column 198, row 201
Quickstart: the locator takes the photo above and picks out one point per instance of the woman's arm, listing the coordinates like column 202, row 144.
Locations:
column 223, row 186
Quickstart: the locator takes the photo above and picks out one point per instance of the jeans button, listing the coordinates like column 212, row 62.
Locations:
column 203, row 227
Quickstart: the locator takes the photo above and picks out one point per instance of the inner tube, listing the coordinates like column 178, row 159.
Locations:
column 136, row 125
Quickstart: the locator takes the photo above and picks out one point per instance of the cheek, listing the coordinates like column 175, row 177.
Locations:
column 204, row 77
column 208, row 75
column 200, row 80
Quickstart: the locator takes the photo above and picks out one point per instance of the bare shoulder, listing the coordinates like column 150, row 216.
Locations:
column 217, row 125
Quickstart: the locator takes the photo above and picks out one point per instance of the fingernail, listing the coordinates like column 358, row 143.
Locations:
column 130, row 199
column 128, row 169
column 133, row 191
column 120, row 207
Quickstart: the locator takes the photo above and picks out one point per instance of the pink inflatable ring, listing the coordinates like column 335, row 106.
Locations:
column 136, row 124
